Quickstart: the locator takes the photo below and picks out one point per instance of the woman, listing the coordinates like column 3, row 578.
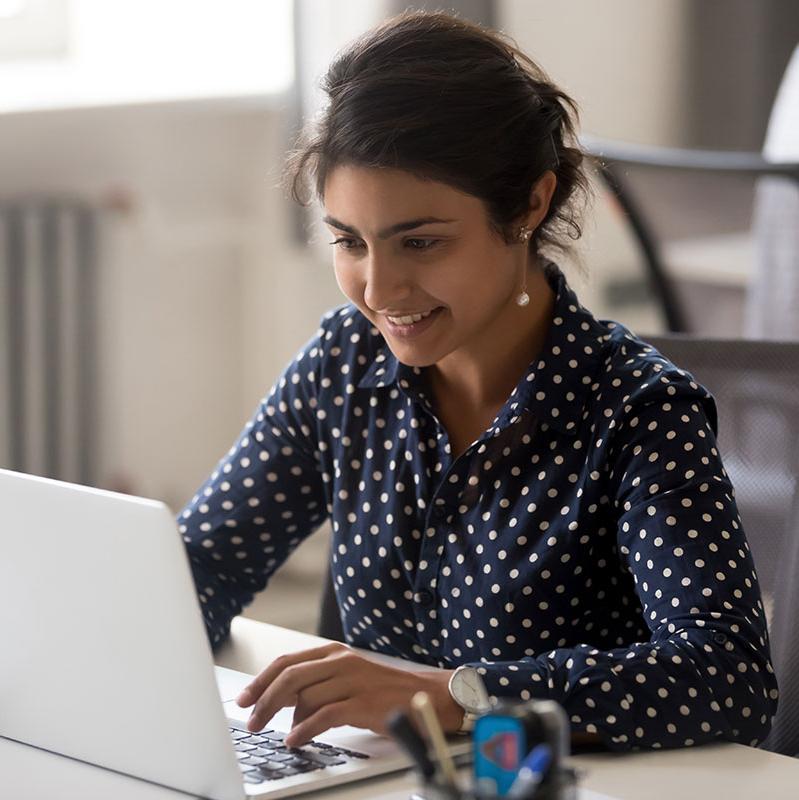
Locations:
column 513, row 485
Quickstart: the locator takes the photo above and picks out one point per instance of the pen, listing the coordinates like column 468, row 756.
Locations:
column 399, row 725
column 422, row 705
column 531, row 773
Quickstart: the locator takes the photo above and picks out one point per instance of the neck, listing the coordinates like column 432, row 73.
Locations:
column 484, row 372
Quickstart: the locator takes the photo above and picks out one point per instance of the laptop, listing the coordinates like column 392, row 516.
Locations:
column 106, row 659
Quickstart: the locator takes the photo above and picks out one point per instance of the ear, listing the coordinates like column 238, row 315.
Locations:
column 540, row 198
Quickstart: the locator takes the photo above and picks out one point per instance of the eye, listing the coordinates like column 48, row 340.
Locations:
column 346, row 243
column 421, row 244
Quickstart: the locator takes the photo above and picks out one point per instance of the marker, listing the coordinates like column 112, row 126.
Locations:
column 422, row 705
column 531, row 772
column 401, row 728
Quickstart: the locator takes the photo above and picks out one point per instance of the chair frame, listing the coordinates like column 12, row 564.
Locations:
column 611, row 157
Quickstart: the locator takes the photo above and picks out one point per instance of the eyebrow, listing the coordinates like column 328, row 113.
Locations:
column 386, row 233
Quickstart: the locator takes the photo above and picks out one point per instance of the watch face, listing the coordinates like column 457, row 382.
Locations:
column 468, row 690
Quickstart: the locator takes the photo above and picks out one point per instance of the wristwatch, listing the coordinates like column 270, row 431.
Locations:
column 467, row 689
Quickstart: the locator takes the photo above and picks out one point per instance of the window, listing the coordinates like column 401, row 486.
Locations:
column 72, row 53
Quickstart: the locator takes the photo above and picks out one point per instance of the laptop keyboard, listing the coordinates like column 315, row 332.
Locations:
column 263, row 756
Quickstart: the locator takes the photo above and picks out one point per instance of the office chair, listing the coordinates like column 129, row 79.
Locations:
column 701, row 218
column 329, row 624
column 756, row 390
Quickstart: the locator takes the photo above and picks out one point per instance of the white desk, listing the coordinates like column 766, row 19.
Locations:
column 728, row 771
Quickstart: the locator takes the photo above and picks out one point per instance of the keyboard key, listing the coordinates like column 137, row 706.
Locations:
column 308, row 766
column 280, row 756
column 269, row 774
column 326, row 760
column 254, row 761
column 354, row 754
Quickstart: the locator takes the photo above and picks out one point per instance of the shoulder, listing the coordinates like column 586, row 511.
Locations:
column 635, row 376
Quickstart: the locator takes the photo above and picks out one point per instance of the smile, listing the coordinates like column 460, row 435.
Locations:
column 409, row 319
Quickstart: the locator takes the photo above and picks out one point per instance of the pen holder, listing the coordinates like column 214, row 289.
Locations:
column 499, row 737
column 560, row 784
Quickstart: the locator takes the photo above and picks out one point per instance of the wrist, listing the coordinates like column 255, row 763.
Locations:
column 450, row 714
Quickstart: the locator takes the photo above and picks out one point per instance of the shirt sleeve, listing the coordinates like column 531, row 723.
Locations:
column 264, row 497
column 705, row 672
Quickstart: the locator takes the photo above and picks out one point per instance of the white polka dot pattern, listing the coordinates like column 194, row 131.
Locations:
column 587, row 548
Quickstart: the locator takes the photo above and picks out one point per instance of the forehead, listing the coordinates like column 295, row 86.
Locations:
column 370, row 198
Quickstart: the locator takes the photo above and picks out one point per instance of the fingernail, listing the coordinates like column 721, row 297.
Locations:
column 243, row 698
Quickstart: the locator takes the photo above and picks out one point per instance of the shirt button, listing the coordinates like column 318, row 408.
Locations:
column 440, row 512
column 424, row 598
column 719, row 638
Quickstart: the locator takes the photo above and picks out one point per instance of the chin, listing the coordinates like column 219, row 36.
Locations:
column 407, row 356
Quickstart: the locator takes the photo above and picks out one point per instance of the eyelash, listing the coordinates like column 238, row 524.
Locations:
column 351, row 244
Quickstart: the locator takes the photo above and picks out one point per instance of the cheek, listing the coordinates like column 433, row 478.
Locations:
column 479, row 283
column 348, row 280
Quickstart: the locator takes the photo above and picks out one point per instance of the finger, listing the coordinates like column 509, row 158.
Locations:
column 287, row 686
column 321, row 694
column 329, row 716
column 256, row 687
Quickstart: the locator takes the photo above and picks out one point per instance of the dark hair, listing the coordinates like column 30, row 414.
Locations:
column 450, row 101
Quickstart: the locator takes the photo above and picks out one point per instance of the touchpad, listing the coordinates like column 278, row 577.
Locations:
column 230, row 683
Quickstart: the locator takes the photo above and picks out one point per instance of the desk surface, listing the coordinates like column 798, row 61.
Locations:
column 731, row 771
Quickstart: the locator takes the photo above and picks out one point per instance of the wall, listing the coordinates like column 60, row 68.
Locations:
column 621, row 60
column 204, row 296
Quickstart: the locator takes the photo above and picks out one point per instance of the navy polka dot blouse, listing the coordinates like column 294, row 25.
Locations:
column 586, row 548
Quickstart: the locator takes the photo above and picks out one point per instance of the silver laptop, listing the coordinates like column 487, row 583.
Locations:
column 105, row 657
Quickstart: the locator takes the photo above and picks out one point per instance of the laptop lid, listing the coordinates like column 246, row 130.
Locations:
column 85, row 672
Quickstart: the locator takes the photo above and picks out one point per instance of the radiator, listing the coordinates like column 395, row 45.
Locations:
column 48, row 348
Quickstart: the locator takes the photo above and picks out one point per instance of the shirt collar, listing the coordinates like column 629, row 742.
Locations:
column 555, row 387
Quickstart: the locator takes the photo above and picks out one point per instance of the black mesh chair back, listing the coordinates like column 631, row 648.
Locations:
column 329, row 624
column 756, row 388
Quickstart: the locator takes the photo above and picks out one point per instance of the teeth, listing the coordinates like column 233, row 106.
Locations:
column 409, row 319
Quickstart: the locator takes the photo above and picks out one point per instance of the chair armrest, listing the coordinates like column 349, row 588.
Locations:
column 726, row 161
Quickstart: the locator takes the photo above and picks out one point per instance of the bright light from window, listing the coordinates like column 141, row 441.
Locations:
column 156, row 50
column 11, row 8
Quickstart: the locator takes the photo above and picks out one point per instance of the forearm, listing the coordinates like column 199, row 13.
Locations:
column 670, row 693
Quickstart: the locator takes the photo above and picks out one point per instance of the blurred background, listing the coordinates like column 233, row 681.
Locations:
column 154, row 279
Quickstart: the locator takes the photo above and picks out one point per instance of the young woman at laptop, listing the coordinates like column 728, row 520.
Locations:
column 515, row 488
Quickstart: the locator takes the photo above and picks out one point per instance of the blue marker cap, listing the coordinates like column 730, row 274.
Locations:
column 531, row 772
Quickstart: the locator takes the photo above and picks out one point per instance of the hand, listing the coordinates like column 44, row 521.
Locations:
column 333, row 685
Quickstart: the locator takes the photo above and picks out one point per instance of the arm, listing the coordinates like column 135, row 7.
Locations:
column 264, row 497
column 704, row 673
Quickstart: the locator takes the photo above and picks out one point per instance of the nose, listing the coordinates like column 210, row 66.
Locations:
column 386, row 284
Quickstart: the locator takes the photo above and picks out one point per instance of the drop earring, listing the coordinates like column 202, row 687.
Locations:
column 522, row 299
